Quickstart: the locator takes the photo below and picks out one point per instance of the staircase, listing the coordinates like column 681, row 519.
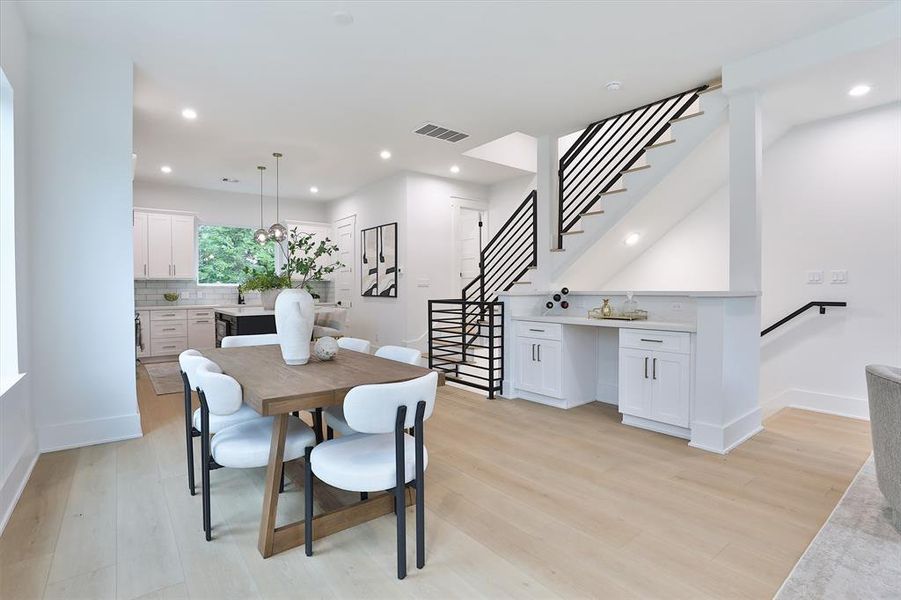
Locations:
column 608, row 169
column 615, row 162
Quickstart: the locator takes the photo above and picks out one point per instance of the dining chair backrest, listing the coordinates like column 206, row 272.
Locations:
column 190, row 360
column 240, row 341
column 222, row 392
column 373, row 408
column 410, row 356
column 355, row 344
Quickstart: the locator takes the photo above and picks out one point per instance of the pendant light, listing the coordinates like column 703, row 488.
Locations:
column 277, row 231
column 261, row 235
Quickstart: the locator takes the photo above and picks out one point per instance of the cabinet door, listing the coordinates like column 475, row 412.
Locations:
column 635, row 382
column 201, row 333
column 139, row 243
column 528, row 371
column 670, row 380
column 549, row 361
column 183, row 254
column 159, row 246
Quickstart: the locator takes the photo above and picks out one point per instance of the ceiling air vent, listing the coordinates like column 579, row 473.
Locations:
column 441, row 133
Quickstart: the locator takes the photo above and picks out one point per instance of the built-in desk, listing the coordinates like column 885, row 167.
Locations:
column 691, row 371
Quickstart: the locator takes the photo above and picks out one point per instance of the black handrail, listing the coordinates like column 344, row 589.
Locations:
column 606, row 148
column 821, row 303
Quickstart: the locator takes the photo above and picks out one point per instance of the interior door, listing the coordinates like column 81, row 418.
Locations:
column 635, row 382
column 159, row 246
column 670, row 377
column 468, row 242
column 345, row 280
column 183, row 255
column 139, row 242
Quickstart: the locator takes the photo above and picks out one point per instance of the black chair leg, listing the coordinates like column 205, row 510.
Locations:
column 317, row 424
column 364, row 496
column 189, row 434
column 205, row 473
column 420, row 486
column 399, row 488
column 281, row 485
column 308, row 503
column 330, row 433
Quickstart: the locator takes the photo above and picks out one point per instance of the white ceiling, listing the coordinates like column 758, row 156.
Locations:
column 279, row 76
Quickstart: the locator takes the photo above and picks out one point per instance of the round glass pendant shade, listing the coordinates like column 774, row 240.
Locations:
column 278, row 232
column 261, row 236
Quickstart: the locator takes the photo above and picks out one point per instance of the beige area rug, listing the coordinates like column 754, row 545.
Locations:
column 165, row 378
column 857, row 553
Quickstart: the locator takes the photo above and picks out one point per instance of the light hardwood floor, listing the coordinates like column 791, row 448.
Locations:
column 523, row 501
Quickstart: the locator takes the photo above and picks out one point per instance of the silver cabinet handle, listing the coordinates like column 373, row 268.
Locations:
column 645, row 367
column 538, row 330
column 655, row 368
column 647, row 340
column 168, row 328
column 196, row 322
column 168, row 315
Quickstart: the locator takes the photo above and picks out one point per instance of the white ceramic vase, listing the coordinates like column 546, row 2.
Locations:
column 294, row 318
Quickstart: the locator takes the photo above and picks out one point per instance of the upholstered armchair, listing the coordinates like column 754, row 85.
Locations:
column 884, row 391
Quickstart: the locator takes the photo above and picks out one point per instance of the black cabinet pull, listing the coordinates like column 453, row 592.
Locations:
column 645, row 367
column 655, row 368
column 647, row 340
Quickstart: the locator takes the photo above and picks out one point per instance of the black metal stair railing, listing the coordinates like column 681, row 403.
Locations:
column 466, row 342
column 822, row 304
column 595, row 162
column 466, row 338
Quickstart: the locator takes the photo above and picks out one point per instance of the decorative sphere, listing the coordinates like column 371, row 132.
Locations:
column 549, row 304
column 261, row 236
column 564, row 291
column 565, row 304
column 325, row 348
column 277, row 232
column 556, row 297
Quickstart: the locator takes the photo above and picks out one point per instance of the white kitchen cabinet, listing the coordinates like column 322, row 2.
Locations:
column 169, row 247
column 201, row 330
column 655, row 384
column 549, row 360
column 139, row 242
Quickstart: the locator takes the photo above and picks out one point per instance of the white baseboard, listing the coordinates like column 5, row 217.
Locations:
column 15, row 482
column 63, row 436
column 722, row 439
column 843, row 406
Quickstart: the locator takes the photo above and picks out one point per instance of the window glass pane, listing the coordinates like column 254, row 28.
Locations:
column 225, row 251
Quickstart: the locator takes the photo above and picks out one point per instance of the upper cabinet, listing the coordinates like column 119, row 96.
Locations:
column 164, row 246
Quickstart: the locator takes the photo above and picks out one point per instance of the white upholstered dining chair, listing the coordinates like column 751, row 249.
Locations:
column 188, row 362
column 355, row 344
column 241, row 446
column 241, row 341
column 334, row 415
column 382, row 456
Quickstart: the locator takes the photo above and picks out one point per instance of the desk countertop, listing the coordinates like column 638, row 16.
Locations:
column 614, row 323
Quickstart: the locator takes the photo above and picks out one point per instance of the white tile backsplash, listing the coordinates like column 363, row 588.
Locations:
column 150, row 292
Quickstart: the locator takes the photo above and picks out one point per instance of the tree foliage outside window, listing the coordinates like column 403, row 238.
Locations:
column 225, row 251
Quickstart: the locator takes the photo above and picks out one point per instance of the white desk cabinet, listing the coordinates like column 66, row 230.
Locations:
column 655, row 380
column 551, row 363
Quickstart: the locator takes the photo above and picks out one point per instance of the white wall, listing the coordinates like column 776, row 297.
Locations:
column 225, row 208
column 832, row 200
column 693, row 255
column 80, row 102
column 505, row 197
column 18, row 434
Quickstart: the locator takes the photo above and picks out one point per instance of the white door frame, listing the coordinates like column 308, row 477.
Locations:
column 456, row 204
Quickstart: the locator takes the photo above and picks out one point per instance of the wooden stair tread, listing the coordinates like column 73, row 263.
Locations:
column 686, row 117
column 573, row 232
column 611, row 192
column 659, row 144
column 635, row 169
column 522, row 283
column 591, row 212
column 558, row 249
column 712, row 87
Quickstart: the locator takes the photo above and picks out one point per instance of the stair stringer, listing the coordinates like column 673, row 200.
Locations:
column 688, row 134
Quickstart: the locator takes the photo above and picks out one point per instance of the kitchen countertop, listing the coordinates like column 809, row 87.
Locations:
column 176, row 306
column 245, row 311
column 614, row 323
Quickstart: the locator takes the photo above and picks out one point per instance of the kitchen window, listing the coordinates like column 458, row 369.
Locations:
column 9, row 339
column 224, row 251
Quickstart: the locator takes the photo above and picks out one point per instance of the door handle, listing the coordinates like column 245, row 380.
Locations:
column 539, row 352
column 533, row 352
column 645, row 367
column 655, row 368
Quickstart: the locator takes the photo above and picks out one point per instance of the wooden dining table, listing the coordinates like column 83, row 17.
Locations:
column 273, row 388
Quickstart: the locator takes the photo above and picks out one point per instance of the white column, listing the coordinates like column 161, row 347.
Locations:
column 745, row 161
column 548, row 164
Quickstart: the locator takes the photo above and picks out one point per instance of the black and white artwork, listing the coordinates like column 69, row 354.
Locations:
column 379, row 261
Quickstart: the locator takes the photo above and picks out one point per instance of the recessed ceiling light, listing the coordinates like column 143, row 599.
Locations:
column 454, row 169
column 632, row 239
column 314, row 190
column 385, row 154
column 859, row 90
column 166, row 169
column 189, row 113
column 342, row 17
column 613, row 86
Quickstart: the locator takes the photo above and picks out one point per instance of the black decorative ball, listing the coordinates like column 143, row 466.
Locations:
column 557, row 297
column 564, row 291
column 549, row 304
column 564, row 304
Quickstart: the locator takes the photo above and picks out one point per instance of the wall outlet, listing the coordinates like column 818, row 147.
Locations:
column 814, row 277
column 424, row 282
column 838, row 277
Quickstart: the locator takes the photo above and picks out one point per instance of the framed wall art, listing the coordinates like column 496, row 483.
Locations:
column 379, row 261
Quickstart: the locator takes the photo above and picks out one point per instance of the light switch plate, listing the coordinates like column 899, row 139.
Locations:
column 839, row 277
column 814, row 277
column 423, row 282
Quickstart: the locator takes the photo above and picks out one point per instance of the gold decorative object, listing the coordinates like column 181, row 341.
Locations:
column 606, row 309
